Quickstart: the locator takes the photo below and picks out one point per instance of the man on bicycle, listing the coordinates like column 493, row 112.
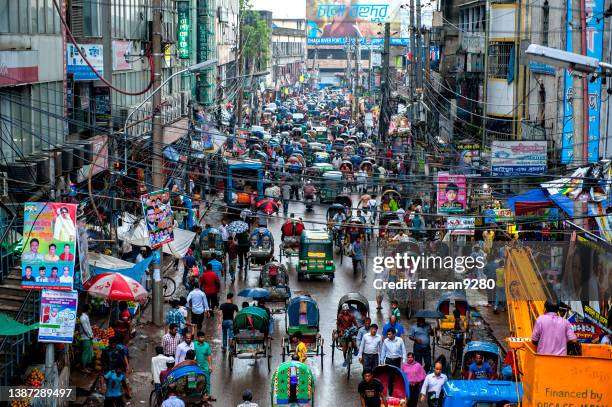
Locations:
column 347, row 329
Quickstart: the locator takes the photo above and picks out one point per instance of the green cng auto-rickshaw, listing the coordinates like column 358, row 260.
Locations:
column 316, row 256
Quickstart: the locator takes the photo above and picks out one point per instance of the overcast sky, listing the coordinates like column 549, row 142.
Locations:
column 283, row 8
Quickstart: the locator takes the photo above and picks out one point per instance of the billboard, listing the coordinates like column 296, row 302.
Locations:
column 452, row 197
column 47, row 260
column 58, row 312
column 594, row 9
column 460, row 225
column 76, row 65
column 334, row 22
column 159, row 218
column 511, row 158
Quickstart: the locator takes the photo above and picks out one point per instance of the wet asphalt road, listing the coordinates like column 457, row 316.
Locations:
column 332, row 388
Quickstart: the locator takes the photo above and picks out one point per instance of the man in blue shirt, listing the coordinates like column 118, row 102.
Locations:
column 420, row 333
column 357, row 254
column 479, row 369
column 216, row 266
column 114, row 387
column 393, row 323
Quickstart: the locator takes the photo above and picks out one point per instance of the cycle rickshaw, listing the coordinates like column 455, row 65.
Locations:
column 290, row 235
column 251, row 339
column 302, row 316
column 188, row 382
column 360, row 308
column 274, row 278
column 292, row 385
column 261, row 247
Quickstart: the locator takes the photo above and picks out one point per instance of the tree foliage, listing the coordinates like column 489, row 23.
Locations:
column 256, row 37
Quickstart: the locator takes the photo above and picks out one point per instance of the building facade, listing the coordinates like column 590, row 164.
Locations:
column 288, row 50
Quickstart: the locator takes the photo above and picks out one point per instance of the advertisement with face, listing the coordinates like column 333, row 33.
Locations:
column 451, row 193
column 158, row 217
column 47, row 260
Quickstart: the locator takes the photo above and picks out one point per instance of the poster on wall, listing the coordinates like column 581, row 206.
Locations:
column 332, row 22
column 76, row 65
column 83, row 252
column 159, row 218
column 121, row 52
column 58, row 313
column 452, row 195
column 594, row 9
column 49, row 231
column 469, row 155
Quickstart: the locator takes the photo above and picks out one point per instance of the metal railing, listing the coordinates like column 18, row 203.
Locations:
column 13, row 348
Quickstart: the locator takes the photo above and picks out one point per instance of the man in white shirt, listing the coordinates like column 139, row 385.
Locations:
column 432, row 386
column 369, row 348
column 158, row 363
column 247, row 398
column 66, row 277
column 182, row 348
column 86, row 338
column 393, row 350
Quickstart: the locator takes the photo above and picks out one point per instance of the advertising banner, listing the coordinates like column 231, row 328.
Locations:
column 49, row 232
column 511, row 158
column 183, row 30
column 469, row 155
column 99, row 147
column 58, row 313
column 336, row 22
column 460, row 225
column 77, row 66
column 452, row 195
column 121, row 52
column 159, row 217
column 594, row 9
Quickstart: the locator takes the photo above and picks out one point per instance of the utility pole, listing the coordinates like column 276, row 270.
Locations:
column 158, row 140
column 413, row 63
column 240, row 68
column 427, row 55
column 578, row 102
column 371, row 70
column 357, row 79
column 383, row 120
column 419, row 48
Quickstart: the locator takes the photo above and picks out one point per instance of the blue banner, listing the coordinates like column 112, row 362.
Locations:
column 594, row 37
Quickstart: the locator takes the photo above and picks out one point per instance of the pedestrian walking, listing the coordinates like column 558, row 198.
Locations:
column 232, row 254
column 183, row 348
column 158, row 364
column 115, row 385
column 203, row 357
column 228, row 309
column 370, row 348
column 171, row 340
column 357, row 256
column 198, row 304
column 286, row 194
column 244, row 245
column 432, row 386
column 421, row 333
column 247, row 400
column 393, row 350
column 371, row 391
column 175, row 316
column 416, row 375
column 211, row 285
column 393, row 323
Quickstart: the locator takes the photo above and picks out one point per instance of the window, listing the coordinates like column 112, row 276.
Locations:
column 91, row 18
column 499, row 59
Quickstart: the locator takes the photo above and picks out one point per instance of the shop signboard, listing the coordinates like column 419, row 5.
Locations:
column 58, row 313
column 76, row 65
column 594, row 9
column 183, row 30
column 460, row 225
column 18, row 67
column 469, row 155
column 49, row 233
column 512, row 158
column 159, row 217
column 452, row 195
column 330, row 22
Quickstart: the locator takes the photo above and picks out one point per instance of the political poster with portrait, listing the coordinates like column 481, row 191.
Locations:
column 158, row 217
column 452, row 197
column 58, row 312
column 49, row 251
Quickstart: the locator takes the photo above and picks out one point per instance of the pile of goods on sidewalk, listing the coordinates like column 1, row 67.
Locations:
column 34, row 378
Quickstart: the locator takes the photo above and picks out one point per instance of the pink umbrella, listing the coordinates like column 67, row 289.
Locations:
column 116, row 287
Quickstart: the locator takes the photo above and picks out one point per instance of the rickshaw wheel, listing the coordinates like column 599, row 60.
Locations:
column 154, row 400
column 349, row 362
column 333, row 346
column 284, row 354
column 269, row 355
column 230, row 359
column 321, row 350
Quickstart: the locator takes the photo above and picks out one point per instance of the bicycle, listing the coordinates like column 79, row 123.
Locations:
column 168, row 286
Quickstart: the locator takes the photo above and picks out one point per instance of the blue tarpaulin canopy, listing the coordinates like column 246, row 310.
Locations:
column 539, row 198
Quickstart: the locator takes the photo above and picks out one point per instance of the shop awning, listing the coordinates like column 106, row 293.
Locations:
column 101, row 263
column 135, row 232
column 538, row 198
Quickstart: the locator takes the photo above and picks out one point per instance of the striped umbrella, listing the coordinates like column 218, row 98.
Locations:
column 116, row 287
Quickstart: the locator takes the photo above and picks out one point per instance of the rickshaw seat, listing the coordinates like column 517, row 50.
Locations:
column 448, row 323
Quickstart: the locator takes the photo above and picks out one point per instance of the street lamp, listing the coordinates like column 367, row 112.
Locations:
column 567, row 60
column 193, row 68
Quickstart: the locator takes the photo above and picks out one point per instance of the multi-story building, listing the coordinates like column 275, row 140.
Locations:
column 227, row 27
column 288, row 50
column 485, row 80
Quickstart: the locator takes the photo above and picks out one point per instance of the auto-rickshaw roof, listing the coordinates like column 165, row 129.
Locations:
column 469, row 392
column 335, row 175
column 481, row 346
column 316, row 235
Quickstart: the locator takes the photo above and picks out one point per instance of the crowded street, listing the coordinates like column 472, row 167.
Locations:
column 330, row 203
